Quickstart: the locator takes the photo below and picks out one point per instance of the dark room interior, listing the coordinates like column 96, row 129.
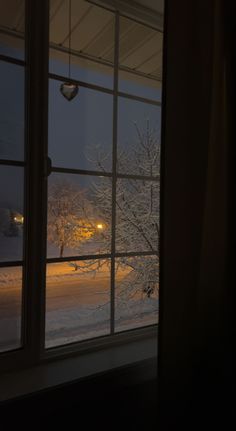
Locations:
column 117, row 212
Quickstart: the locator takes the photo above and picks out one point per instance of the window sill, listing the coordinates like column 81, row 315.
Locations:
column 60, row 372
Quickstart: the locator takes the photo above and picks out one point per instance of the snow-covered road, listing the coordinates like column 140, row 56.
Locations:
column 77, row 305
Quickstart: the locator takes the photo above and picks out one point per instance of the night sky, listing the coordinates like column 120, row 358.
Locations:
column 77, row 129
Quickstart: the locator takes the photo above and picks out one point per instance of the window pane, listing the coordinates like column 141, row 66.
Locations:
column 137, row 215
column 140, row 59
column 78, row 301
column 136, row 292
column 92, row 42
column 12, row 24
column 79, row 215
column 11, row 213
column 80, row 131
column 138, row 146
column 10, row 308
column 11, row 111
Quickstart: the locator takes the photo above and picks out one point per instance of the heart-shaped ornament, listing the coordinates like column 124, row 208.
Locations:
column 68, row 90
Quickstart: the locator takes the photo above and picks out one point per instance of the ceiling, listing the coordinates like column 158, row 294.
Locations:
column 156, row 5
column 92, row 34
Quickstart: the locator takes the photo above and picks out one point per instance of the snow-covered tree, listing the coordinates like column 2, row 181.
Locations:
column 69, row 221
column 72, row 214
column 137, row 209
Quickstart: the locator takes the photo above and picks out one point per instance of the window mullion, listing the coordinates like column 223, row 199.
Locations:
column 114, row 168
column 36, row 179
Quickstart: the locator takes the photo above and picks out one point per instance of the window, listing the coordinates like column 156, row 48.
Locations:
column 99, row 260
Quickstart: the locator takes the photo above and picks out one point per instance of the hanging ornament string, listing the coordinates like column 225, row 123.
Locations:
column 69, row 36
column 67, row 89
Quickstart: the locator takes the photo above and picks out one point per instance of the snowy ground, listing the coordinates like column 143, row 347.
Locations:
column 86, row 311
column 77, row 304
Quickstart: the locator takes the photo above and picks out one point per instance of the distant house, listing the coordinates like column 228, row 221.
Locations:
column 10, row 222
column 17, row 218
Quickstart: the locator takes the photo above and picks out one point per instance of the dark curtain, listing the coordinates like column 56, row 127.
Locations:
column 197, row 293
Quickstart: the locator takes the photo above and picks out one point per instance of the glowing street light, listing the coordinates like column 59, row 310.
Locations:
column 100, row 226
column 19, row 219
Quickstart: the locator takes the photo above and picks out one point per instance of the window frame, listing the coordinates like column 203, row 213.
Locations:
column 37, row 76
